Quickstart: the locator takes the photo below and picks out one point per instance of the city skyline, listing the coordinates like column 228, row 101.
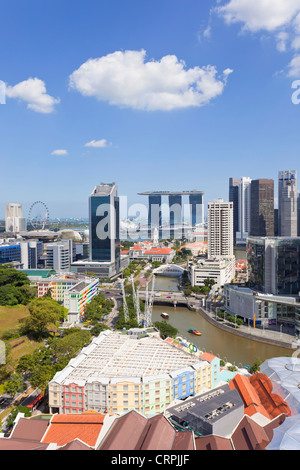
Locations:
column 215, row 98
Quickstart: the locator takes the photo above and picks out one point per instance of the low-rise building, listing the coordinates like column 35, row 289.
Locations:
column 196, row 248
column 119, row 371
column 222, row 271
column 145, row 251
column 264, row 309
column 217, row 411
column 71, row 290
column 101, row 269
column 10, row 253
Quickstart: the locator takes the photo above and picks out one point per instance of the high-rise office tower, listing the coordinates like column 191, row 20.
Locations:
column 14, row 220
column 234, row 197
column 298, row 215
column 154, row 214
column 274, row 265
column 287, row 203
column 262, row 208
column 244, row 210
column 104, row 225
column 176, row 210
column 220, row 229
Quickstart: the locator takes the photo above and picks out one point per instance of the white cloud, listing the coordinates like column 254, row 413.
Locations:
column 126, row 79
column 296, row 43
column 282, row 39
column 59, row 152
column 98, row 143
column 258, row 15
column 33, row 92
column 294, row 67
column 279, row 18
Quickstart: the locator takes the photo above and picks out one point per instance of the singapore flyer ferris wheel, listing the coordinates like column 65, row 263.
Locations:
column 38, row 215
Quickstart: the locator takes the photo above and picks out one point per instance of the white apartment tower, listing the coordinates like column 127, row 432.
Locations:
column 244, row 215
column 14, row 220
column 220, row 229
column 287, row 203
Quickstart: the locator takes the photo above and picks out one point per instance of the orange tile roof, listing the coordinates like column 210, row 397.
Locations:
column 67, row 427
column 137, row 247
column 158, row 251
column 249, row 396
column 272, row 402
column 208, row 357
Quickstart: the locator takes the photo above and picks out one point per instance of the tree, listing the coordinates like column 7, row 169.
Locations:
column 255, row 367
column 98, row 308
column 14, row 287
column 69, row 345
column 166, row 329
column 43, row 313
column 209, row 282
column 41, row 376
column 14, row 385
column 97, row 329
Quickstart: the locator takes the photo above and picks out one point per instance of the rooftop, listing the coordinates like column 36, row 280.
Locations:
column 170, row 193
column 104, row 189
column 210, row 406
column 118, row 355
column 65, row 428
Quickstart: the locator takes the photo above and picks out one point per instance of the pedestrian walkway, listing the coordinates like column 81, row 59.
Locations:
column 113, row 314
column 274, row 336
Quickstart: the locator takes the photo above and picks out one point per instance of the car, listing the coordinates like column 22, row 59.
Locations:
column 169, row 297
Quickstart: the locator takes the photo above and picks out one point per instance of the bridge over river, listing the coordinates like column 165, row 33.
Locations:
column 174, row 299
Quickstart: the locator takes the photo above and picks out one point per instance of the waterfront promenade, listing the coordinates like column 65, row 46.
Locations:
column 279, row 336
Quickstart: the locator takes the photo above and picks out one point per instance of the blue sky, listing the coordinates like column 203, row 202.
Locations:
column 172, row 95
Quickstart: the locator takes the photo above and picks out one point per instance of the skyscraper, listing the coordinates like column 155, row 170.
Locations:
column 234, row 197
column 220, row 229
column 262, row 208
column 104, row 225
column 14, row 220
column 244, row 210
column 287, row 203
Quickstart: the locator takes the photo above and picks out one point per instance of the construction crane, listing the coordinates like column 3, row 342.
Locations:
column 149, row 304
column 136, row 301
column 125, row 306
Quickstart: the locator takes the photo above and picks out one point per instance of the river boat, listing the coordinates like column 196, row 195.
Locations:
column 164, row 315
column 194, row 332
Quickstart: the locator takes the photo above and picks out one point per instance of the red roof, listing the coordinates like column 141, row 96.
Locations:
column 256, row 393
column 208, row 357
column 137, row 247
column 249, row 396
column 158, row 251
column 272, row 402
column 67, row 427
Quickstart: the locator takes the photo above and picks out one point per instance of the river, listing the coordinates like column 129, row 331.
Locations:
column 230, row 347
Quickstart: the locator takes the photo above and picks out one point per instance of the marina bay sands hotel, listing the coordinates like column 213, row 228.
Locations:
column 176, row 213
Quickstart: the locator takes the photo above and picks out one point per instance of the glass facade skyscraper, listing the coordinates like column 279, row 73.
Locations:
column 287, row 203
column 262, row 208
column 234, row 198
column 274, row 265
column 104, row 225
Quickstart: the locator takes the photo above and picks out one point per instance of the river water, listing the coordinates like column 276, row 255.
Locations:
column 230, row 347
